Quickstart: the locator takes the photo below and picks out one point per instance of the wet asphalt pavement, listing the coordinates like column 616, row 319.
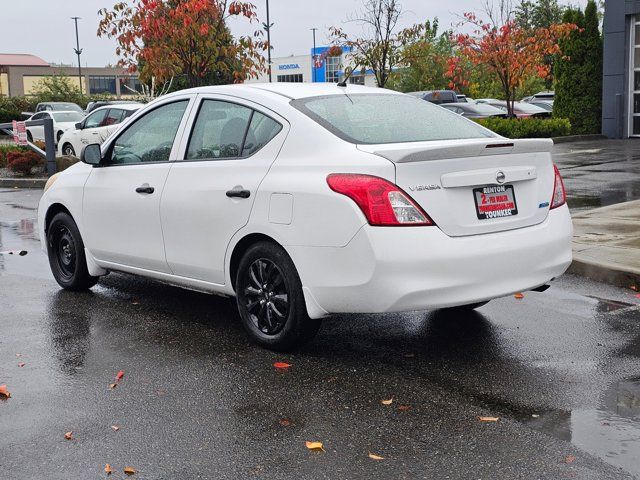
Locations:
column 598, row 173
column 560, row 369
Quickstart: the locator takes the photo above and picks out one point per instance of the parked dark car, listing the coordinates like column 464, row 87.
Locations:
column 474, row 110
column 437, row 96
column 520, row 109
column 91, row 106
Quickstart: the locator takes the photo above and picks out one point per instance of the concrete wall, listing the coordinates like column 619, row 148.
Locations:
column 615, row 91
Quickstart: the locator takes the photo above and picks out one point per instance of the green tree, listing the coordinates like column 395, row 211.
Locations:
column 578, row 73
column 424, row 61
column 532, row 14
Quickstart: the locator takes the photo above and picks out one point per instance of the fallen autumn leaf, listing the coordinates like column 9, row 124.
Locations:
column 4, row 393
column 285, row 423
column 315, row 446
column 488, row 419
column 115, row 428
column 373, row 456
column 129, row 470
column 387, row 402
column 68, row 435
column 519, row 296
column 108, row 469
column 281, row 365
column 404, row 408
column 570, row 459
column 112, row 386
column 120, row 375
column 21, row 364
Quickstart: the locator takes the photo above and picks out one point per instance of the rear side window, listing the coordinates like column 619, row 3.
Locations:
column 261, row 131
column 224, row 130
column 385, row 118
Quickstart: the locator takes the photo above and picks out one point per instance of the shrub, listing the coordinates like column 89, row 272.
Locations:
column 24, row 162
column 62, row 163
column 528, row 127
column 5, row 149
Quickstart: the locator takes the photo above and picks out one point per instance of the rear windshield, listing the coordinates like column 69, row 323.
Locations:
column 384, row 118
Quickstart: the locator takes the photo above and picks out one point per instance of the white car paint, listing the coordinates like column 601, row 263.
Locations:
column 62, row 121
column 187, row 230
column 95, row 129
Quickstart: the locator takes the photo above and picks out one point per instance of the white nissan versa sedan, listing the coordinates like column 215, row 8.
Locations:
column 304, row 200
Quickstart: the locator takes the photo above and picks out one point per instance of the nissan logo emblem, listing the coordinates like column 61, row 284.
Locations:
column 500, row 177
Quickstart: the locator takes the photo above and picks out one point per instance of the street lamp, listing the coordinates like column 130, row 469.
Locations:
column 267, row 26
column 313, row 57
column 78, row 51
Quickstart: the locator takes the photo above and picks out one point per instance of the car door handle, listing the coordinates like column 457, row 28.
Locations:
column 145, row 189
column 238, row 193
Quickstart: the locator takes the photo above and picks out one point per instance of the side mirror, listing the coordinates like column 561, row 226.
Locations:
column 79, row 126
column 91, row 154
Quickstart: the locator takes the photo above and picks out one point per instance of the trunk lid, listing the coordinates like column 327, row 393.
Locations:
column 513, row 181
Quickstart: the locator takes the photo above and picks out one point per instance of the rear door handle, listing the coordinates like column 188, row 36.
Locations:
column 145, row 189
column 238, row 193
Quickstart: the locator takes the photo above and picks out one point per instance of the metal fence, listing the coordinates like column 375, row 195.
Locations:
column 49, row 153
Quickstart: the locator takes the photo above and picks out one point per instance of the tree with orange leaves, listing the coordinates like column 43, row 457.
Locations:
column 507, row 51
column 166, row 38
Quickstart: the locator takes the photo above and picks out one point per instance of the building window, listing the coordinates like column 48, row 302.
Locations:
column 333, row 67
column 293, row 78
column 634, row 79
column 356, row 79
column 102, row 84
column 130, row 85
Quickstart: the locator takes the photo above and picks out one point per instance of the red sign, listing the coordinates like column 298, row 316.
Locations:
column 20, row 133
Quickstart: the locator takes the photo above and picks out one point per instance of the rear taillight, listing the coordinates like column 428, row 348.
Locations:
column 559, row 195
column 382, row 202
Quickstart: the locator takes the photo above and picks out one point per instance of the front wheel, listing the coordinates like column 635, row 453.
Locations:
column 66, row 254
column 270, row 299
column 67, row 149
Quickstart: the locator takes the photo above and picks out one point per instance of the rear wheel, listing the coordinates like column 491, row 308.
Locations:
column 66, row 254
column 270, row 299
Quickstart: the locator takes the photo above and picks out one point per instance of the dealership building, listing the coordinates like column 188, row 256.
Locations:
column 21, row 73
column 316, row 67
column 621, row 85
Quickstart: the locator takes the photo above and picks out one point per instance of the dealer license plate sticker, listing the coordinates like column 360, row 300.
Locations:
column 495, row 201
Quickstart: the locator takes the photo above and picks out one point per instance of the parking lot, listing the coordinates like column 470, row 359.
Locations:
column 559, row 371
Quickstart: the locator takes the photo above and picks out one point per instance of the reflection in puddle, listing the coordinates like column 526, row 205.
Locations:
column 22, row 235
column 611, row 433
column 605, row 306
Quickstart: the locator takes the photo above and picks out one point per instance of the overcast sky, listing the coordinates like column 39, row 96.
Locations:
column 44, row 27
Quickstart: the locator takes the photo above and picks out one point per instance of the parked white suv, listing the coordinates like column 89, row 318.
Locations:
column 95, row 128
column 304, row 200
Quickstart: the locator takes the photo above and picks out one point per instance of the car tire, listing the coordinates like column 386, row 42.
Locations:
column 270, row 299
column 29, row 137
column 59, row 136
column 65, row 249
column 466, row 308
column 68, row 150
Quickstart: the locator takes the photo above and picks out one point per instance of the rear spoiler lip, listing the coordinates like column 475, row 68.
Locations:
column 442, row 150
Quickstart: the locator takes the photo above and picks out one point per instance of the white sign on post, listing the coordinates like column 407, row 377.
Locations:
column 20, row 133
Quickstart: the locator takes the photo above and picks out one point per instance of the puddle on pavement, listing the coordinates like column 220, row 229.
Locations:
column 611, row 432
column 22, row 235
column 604, row 305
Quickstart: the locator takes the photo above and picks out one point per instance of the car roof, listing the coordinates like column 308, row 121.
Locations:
column 119, row 106
column 288, row 90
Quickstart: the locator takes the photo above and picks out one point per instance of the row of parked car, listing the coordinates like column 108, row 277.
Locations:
column 74, row 127
column 539, row 105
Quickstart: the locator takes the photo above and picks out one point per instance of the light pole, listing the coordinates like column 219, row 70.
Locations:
column 267, row 26
column 78, row 51
column 313, row 57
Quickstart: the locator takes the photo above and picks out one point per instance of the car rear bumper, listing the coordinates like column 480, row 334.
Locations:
column 414, row 268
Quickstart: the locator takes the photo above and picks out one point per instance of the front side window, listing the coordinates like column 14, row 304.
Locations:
column 219, row 130
column 95, row 119
column 113, row 117
column 387, row 118
column 150, row 138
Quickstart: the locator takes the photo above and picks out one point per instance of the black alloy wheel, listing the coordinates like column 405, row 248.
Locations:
column 270, row 299
column 68, row 150
column 66, row 254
